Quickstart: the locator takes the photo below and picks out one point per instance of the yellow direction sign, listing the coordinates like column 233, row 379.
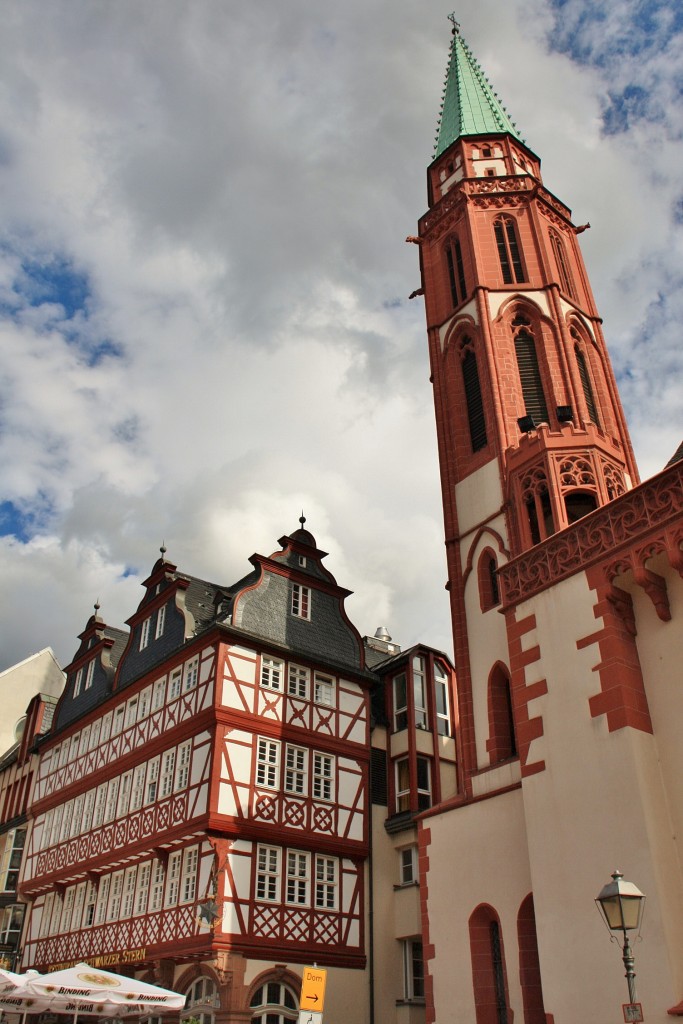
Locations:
column 313, row 989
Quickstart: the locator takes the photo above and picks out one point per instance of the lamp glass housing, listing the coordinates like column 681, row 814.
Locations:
column 621, row 903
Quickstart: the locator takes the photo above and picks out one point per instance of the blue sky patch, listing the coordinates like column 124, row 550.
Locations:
column 15, row 523
column 54, row 281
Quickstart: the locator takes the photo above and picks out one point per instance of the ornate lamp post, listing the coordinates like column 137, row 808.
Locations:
column 621, row 904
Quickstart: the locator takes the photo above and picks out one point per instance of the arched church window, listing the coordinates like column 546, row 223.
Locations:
column 587, row 387
column 456, row 271
column 529, row 372
column 529, row 965
column 488, row 967
column 489, row 592
column 563, row 268
column 273, row 1003
column 536, row 500
column 502, row 742
column 509, row 252
column 476, row 419
column 203, row 1000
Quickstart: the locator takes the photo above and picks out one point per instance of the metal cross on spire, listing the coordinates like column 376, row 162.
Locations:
column 456, row 24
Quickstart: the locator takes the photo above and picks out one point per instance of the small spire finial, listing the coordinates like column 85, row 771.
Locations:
column 302, row 519
column 96, row 606
column 456, row 24
column 163, row 548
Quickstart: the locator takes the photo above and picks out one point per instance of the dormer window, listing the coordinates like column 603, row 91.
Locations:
column 161, row 621
column 90, row 673
column 144, row 633
column 301, row 601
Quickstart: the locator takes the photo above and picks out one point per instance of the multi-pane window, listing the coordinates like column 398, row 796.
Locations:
column 443, row 718
column 11, row 859
column 400, row 696
column 182, row 773
column 175, row 683
column 77, row 816
column 158, row 693
column 167, row 773
column 273, row 1003
column 188, row 882
column 131, row 712
column 301, row 601
column 152, row 781
column 67, row 815
column 157, row 889
column 298, row 679
column 117, row 724
column 142, row 888
column 95, row 733
column 424, row 789
column 191, row 674
column 138, row 791
column 161, row 620
column 323, row 776
column 402, row 785
column 128, row 901
column 84, row 745
column 173, row 879
column 267, row 763
column 419, row 692
column 272, row 672
column 323, row 689
column 78, row 682
column 90, row 674
column 408, row 865
column 115, row 893
column 112, row 800
column 144, row 633
column 298, row 878
column 508, row 250
column 89, row 905
column 102, row 899
column 295, row 769
column 413, row 970
column 67, row 909
column 100, row 803
column 124, row 794
column 326, row 882
column 88, row 810
column 267, row 873
column 46, row 915
column 106, row 727
column 145, row 698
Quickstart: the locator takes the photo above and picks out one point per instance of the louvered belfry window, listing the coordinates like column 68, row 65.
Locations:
column 562, row 265
column 508, row 251
column 587, row 387
column 529, row 373
column 473, row 397
column 456, row 271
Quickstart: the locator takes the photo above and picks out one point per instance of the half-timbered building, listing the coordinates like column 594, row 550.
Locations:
column 201, row 812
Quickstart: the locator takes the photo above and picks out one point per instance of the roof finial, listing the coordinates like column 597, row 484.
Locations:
column 96, row 606
column 456, row 24
column 302, row 519
column 163, row 548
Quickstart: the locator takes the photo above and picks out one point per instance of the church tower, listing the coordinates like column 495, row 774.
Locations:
column 531, row 432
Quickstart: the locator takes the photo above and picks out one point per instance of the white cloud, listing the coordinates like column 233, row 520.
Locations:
column 234, row 182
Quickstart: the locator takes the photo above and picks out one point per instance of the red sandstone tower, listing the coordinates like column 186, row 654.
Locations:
column 531, row 431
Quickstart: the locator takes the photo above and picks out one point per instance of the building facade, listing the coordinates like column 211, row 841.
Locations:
column 202, row 813
column 566, row 596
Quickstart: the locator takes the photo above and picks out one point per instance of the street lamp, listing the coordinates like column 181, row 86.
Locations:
column 621, row 904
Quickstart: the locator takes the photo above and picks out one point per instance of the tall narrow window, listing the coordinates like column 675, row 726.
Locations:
column 529, row 966
column 488, row 967
column 587, row 386
column 413, row 970
column 487, row 572
column 144, row 633
column 326, row 883
column 161, row 620
column 529, row 372
column 456, row 271
column 298, row 878
column 267, row 873
column 502, row 742
column 295, row 769
column 476, row 419
column 566, row 280
column 267, row 763
column 323, row 776
column 419, row 692
column 508, row 251
column 441, row 702
column 400, row 695
column 301, row 601
column 173, row 879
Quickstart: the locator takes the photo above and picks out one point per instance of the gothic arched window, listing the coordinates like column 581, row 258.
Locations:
column 476, row 419
column 456, row 271
column 509, row 252
column 564, row 270
column 587, row 386
column 203, row 1000
column 536, row 499
column 489, row 592
column 529, row 966
column 529, row 372
column 502, row 742
column 488, row 967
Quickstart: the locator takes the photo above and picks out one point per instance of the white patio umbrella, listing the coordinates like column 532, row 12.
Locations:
column 84, row 982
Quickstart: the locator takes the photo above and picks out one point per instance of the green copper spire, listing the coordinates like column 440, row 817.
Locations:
column 470, row 106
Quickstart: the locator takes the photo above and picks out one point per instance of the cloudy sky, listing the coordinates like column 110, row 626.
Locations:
column 204, row 315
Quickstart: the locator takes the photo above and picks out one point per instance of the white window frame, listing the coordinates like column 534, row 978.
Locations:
column 324, row 766
column 151, row 782
column 268, row 860
column 413, row 984
column 167, row 773
column 157, row 886
column 78, row 682
column 298, row 879
column 301, row 602
column 191, row 674
column 129, row 890
column 183, row 762
column 118, row 720
column 159, row 693
column 115, row 895
column 188, row 878
column 399, row 688
column 125, row 790
column 175, row 683
column 131, row 716
column 267, row 763
column 102, row 899
column 100, row 804
column 137, row 793
column 89, row 904
column 90, row 674
column 272, row 672
column 161, row 622
column 296, row 770
column 323, row 689
column 420, row 692
column 145, row 629
column 442, row 704
column 112, row 800
column 326, row 882
column 142, row 888
column 407, row 865
column 298, row 681
column 173, row 878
